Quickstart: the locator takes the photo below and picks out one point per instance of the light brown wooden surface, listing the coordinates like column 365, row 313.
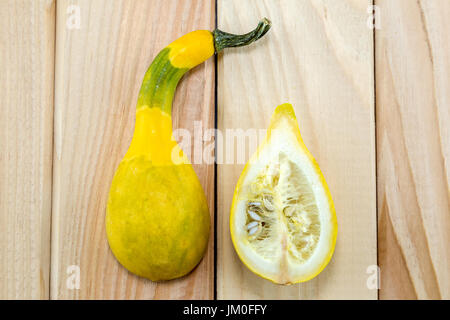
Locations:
column 99, row 69
column 27, row 33
column 319, row 57
column 60, row 142
column 413, row 138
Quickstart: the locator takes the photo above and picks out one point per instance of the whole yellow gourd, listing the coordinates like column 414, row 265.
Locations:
column 157, row 217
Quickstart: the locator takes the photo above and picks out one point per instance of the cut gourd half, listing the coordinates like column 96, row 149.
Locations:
column 283, row 223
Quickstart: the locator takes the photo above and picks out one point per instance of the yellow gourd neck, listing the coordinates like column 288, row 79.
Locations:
column 153, row 138
column 153, row 130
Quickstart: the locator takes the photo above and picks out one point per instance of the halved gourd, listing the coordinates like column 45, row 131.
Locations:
column 283, row 222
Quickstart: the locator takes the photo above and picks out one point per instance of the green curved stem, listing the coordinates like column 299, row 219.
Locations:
column 224, row 40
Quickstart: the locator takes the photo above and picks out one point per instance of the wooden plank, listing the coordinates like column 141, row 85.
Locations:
column 319, row 57
column 413, row 138
column 99, row 69
column 27, row 33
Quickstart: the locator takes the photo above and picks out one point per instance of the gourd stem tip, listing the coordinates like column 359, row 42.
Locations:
column 224, row 40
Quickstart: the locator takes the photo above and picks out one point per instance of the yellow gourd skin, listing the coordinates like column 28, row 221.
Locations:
column 162, row 233
column 157, row 217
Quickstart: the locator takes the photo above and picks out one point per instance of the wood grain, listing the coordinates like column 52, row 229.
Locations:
column 99, row 69
column 319, row 57
column 76, row 115
column 413, row 139
column 27, row 33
